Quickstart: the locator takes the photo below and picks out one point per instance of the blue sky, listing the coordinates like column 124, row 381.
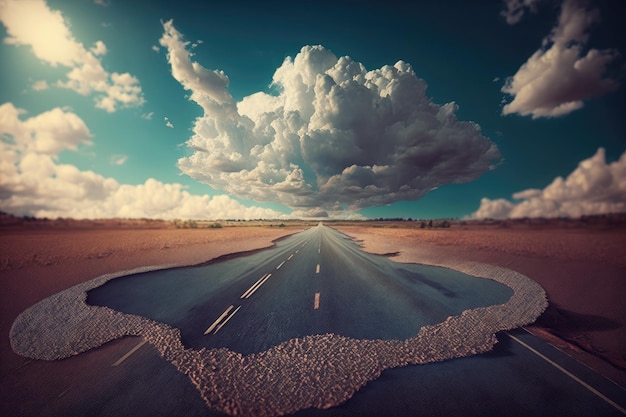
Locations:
column 189, row 109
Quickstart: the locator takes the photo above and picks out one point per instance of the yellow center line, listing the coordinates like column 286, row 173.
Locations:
column 130, row 352
column 316, row 301
column 571, row 375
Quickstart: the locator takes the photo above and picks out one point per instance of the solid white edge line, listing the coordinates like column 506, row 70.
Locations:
column 571, row 375
column 64, row 392
column 216, row 322
column 245, row 294
column 281, row 264
column 259, row 285
column 316, row 301
column 130, row 352
column 226, row 321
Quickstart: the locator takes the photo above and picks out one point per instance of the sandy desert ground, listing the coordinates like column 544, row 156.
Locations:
column 581, row 267
column 39, row 260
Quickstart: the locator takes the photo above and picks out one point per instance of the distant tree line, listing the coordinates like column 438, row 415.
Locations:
column 423, row 223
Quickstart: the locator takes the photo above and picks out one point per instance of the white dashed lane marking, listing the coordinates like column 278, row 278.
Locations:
column 227, row 318
column 256, row 286
column 216, row 322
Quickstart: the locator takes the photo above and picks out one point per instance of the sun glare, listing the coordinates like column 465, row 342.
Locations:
column 51, row 41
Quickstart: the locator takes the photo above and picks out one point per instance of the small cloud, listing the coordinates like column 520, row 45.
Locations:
column 515, row 9
column 559, row 77
column 40, row 85
column 594, row 187
column 118, row 159
column 496, row 79
column 103, row 3
column 47, row 133
column 99, row 48
column 106, row 24
column 168, row 123
column 147, row 116
column 155, row 48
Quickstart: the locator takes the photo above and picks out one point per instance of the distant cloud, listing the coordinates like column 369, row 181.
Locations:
column 337, row 137
column 32, row 182
column 515, row 9
column 25, row 20
column 99, row 48
column 156, row 48
column 147, row 116
column 560, row 76
column 118, row 159
column 47, row 133
column 40, row 85
column 103, row 3
column 168, row 123
column 595, row 187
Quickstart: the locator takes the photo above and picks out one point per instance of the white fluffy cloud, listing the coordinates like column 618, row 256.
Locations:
column 557, row 78
column 32, row 182
column 40, row 85
column 336, row 136
column 33, row 23
column 595, row 187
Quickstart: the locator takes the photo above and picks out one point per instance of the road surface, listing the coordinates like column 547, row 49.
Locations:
column 316, row 282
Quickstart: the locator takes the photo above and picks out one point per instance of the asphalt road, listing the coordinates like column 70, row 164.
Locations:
column 315, row 282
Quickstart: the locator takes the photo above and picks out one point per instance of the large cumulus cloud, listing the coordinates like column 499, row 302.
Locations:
column 33, row 182
column 336, row 136
column 594, row 187
column 563, row 73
